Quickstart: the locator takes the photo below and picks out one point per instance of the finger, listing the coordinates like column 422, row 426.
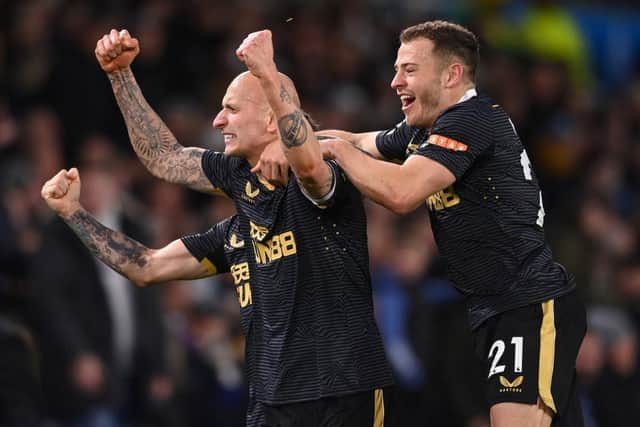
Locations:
column 115, row 42
column 73, row 174
column 284, row 172
column 271, row 172
column 124, row 34
column 113, row 37
column 106, row 43
column 46, row 190
column 62, row 186
column 100, row 50
column 130, row 43
column 111, row 49
column 257, row 168
column 108, row 48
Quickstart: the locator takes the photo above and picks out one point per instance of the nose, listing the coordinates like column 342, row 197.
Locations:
column 220, row 120
column 398, row 81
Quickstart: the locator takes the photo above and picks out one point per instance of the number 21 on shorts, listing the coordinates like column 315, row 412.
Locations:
column 497, row 351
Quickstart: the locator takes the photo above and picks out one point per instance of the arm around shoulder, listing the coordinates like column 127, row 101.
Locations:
column 400, row 188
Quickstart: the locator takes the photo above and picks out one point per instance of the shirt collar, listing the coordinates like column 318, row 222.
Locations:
column 468, row 95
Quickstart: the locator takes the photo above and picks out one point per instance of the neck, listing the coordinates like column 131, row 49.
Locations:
column 452, row 97
column 457, row 93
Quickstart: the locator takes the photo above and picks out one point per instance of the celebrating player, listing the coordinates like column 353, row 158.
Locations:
column 316, row 356
column 462, row 155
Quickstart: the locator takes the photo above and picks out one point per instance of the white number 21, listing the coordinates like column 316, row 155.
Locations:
column 497, row 350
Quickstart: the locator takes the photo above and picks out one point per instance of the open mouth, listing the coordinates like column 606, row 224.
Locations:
column 228, row 137
column 407, row 101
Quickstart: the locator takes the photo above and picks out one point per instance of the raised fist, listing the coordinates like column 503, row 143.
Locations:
column 116, row 50
column 256, row 51
column 62, row 192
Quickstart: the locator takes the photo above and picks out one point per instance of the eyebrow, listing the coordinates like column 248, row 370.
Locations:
column 404, row 65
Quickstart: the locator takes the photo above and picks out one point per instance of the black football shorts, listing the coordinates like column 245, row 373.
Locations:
column 530, row 353
column 364, row 409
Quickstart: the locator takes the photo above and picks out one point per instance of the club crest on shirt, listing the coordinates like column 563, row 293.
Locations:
column 235, row 243
column 250, row 191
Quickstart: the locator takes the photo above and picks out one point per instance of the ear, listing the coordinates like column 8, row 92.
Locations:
column 272, row 123
column 453, row 75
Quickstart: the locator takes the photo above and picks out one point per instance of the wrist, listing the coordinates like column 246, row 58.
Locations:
column 68, row 212
column 118, row 72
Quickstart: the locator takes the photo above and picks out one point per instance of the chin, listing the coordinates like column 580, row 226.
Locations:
column 418, row 121
column 230, row 150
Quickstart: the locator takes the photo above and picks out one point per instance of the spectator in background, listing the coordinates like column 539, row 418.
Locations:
column 101, row 339
column 608, row 367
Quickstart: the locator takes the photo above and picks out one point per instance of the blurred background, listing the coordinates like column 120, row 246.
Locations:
column 81, row 347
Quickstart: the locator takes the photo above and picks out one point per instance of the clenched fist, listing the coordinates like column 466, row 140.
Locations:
column 256, row 51
column 62, row 192
column 116, row 50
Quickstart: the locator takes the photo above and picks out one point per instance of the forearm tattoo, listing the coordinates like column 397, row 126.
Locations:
column 153, row 142
column 118, row 251
column 293, row 129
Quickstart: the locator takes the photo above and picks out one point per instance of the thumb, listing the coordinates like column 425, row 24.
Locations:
column 130, row 43
column 73, row 174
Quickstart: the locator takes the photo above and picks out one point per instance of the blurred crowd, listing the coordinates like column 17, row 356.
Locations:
column 83, row 348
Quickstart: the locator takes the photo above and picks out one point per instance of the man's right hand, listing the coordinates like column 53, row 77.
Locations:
column 116, row 50
column 62, row 192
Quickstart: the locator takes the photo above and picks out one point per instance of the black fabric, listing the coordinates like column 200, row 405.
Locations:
column 313, row 333
column 489, row 224
column 353, row 410
column 508, row 383
column 223, row 246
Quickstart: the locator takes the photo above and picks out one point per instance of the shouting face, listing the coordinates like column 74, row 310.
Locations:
column 244, row 118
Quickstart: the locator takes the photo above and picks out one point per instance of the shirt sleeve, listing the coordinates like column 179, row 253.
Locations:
column 393, row 144
column 341, row 187
column 458, row 138
column 219, row 170
column 208, row 247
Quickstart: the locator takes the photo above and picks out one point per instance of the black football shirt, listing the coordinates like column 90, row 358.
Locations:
column 489, row 224
column 313, row 332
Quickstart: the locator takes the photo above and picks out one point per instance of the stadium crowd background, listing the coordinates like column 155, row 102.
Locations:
column 567, row 72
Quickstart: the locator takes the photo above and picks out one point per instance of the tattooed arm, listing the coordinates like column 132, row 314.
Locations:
column 299, row 141
column 153, row 142
column 128, row 257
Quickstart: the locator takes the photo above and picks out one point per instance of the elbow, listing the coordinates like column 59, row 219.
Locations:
column 143, row 278
column 401, row 204
column 140, row 283
column 309, row 172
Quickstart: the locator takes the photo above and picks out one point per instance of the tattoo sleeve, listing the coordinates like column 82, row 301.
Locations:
column 293, row 129
column 153, row 142
column 119, row 252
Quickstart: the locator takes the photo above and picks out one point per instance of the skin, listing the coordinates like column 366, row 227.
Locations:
column 246, row 121
column 426, row 84
column 299, row 142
